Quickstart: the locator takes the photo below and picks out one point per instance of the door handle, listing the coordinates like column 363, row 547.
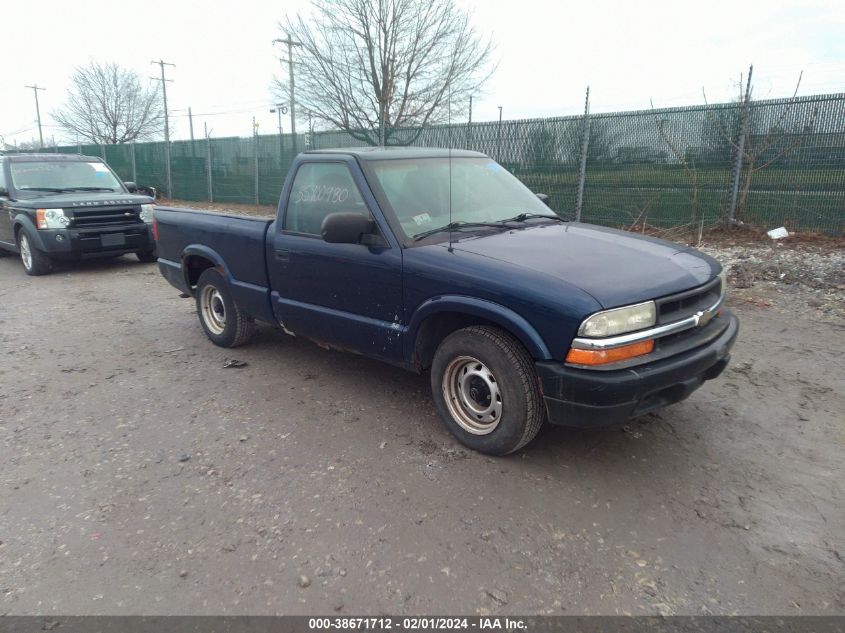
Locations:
column 282, row 255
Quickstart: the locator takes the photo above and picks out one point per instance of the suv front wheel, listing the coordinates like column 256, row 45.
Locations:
column 34, row 261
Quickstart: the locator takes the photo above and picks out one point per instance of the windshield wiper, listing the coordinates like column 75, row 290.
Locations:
column 52, row 189
column 522, row 217
column 453, row 226
column 88, row 189
column 66, row 189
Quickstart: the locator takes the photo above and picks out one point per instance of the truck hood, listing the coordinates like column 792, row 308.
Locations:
column 614, row 267
column 82, row 200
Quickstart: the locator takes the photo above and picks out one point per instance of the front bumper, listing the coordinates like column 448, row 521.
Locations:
column 588, row 398
column 70, row 244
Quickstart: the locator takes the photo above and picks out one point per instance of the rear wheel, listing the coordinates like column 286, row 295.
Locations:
column 486, row 390
column 34, row 261
column 223, row 321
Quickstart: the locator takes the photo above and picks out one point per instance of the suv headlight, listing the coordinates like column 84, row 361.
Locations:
column 147, row 212
column 51, row 218
column 619, row 320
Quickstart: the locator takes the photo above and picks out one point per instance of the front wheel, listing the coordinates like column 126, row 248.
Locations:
column 223, row 321
column 34, row 261
column 486, row 390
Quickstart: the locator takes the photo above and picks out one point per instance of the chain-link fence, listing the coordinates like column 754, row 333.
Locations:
column 771, row 163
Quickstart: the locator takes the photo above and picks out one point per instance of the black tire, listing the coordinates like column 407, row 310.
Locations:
column 224, row 323
column 35, row 262
column 148, row 257
column 502, row 367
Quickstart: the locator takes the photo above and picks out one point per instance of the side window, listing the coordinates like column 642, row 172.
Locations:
column 2, row 174
column 318, row 190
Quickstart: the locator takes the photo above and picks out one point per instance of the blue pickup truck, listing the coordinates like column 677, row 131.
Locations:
column 444, row 261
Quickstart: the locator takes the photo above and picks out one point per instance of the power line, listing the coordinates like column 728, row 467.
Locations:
column 18, row 131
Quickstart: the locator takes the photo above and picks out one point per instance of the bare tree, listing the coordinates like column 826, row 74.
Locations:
column 767, row 146
column 108, row 104
column 370, row 67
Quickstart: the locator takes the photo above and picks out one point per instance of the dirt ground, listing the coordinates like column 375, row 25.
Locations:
column 140, row 476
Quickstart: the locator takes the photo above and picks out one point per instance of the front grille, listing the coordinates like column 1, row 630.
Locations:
column 684, row 304
column 85, row 218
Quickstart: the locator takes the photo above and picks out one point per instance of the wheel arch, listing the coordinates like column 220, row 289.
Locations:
column 435, row 319
column 197, row 258
column 22, row 222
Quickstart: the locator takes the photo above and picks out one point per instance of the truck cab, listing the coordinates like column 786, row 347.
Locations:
column 61, row 207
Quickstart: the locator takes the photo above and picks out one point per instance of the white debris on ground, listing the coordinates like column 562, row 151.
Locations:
column 793, row 277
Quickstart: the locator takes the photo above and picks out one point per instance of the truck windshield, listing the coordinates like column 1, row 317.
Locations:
column 61, row 176
column 482, row 191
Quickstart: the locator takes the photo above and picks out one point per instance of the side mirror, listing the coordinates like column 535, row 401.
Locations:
column 544, row 199
column 345, row 228
column 131, row 186
column 147, row 191
column 4, row 193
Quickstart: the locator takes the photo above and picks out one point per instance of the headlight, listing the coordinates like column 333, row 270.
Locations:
column 51, row 218
column 147, row 212
column 619, row 320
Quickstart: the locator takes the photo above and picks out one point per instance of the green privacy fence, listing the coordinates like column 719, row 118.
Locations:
column 771, row 163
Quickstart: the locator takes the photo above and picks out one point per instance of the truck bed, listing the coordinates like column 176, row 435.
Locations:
column 235, row 241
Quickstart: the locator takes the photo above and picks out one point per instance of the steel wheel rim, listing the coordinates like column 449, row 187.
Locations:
column 213, row 309
column 472, row 395
column 26, row 253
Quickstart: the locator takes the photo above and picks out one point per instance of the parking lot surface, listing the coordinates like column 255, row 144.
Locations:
column 140, row 476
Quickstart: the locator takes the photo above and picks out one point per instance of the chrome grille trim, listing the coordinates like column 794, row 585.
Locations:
column 699, row 318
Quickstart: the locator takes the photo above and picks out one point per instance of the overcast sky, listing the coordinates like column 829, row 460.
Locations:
column 547, row 52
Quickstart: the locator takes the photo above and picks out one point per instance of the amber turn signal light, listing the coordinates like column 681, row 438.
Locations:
column 612, row 355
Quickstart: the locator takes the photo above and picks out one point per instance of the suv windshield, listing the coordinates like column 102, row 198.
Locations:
column 61, row 176
column 482, row 191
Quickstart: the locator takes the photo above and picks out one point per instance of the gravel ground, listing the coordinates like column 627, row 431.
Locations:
column 140, row 476
column 798, row 278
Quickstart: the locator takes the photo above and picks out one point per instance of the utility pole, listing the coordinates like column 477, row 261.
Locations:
column 290, row 44
column 280, row 109
column 164, row 81
column 35, row 90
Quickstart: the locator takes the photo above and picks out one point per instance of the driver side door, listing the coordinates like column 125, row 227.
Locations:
column 347, row 296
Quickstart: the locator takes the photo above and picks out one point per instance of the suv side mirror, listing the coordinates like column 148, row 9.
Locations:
column 345, row 228
column 544, row 199
column 131, row 186
column 4, row 193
